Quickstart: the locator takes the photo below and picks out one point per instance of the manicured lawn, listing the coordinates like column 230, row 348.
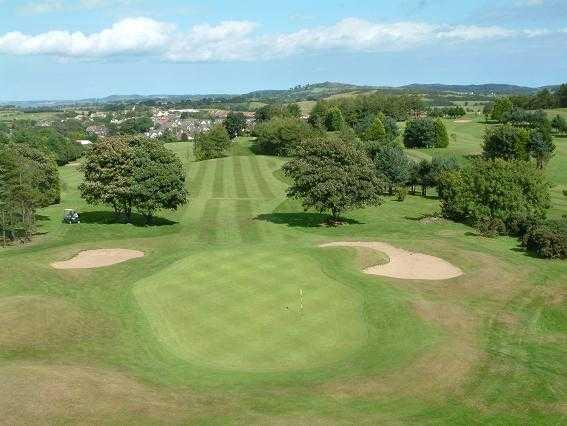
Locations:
column 207, row 327
column 242, row 308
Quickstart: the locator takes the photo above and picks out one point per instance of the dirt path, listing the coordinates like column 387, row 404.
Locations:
column 405, row 264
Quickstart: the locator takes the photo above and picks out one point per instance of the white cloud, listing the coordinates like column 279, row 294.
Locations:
column 474, row 33
column 129, row 36
column 537, row 33
column 352, row 34
column 238, row 40
column 230, row 40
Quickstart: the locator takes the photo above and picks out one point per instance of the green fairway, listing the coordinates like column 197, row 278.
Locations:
column 235, row 315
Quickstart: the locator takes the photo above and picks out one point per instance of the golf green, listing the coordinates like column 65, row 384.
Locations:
column 252, row 309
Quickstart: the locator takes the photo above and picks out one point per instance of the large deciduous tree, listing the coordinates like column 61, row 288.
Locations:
column 158, row 178
column 425, row 133
column 330, row 174
column 136, row 173
column 281, row 136
column 393, row 164
column 108, row 169
column 500, row 108
column 235, row 123
column 541, row 146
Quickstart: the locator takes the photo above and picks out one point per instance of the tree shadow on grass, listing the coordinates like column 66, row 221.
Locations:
column 303, row 219
column 522, row 250
column 108, row 218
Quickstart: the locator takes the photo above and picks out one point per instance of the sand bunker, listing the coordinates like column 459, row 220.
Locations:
column 462, row 121
column 405, row 264
column 98, row 258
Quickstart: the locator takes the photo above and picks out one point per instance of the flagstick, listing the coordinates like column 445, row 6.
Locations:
column 301, row 299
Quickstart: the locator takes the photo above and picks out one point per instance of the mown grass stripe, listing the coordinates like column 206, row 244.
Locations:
column 218, row 183
column 209, row 223
column 247, row 227
column 241, row 189
column 196, row 183
column 263, row 185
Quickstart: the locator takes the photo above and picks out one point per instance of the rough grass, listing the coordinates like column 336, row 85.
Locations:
column 196, row 333
column 39, row 323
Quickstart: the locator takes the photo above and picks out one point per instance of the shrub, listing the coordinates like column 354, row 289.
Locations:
column 506, row 142
column 376, row 132
column 334, row 120
column 211, row 144
column 441, row 136
column 512, row 191
column 401, row 193
column 547, row 239
column 490, row 227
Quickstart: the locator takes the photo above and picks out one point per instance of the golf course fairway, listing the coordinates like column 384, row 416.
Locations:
column 235, row 314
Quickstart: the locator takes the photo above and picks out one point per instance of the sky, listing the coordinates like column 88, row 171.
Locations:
column 73, row 49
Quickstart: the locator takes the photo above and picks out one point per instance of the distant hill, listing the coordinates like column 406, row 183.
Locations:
column 305, row 92
column 483, row 89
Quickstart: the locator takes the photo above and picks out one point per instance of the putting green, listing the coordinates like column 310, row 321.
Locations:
column 240, row 309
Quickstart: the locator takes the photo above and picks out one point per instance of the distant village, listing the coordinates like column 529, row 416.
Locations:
column 181, row 124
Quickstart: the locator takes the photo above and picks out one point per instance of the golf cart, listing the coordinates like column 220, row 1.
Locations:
column 71, row 216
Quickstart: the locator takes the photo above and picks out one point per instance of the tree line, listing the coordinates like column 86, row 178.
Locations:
column 29, row 180
column 57, row 140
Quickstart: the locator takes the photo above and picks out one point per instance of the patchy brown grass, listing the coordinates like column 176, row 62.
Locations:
column 291, row 420
column 34, row 393
column 39, row 322
column 437, row 372
column 445, row 369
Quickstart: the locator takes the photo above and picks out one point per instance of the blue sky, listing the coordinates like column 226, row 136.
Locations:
column 69, row 49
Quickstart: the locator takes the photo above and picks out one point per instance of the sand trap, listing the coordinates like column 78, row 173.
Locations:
column 462, row 121
column 405, row 264
column 98, row 258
